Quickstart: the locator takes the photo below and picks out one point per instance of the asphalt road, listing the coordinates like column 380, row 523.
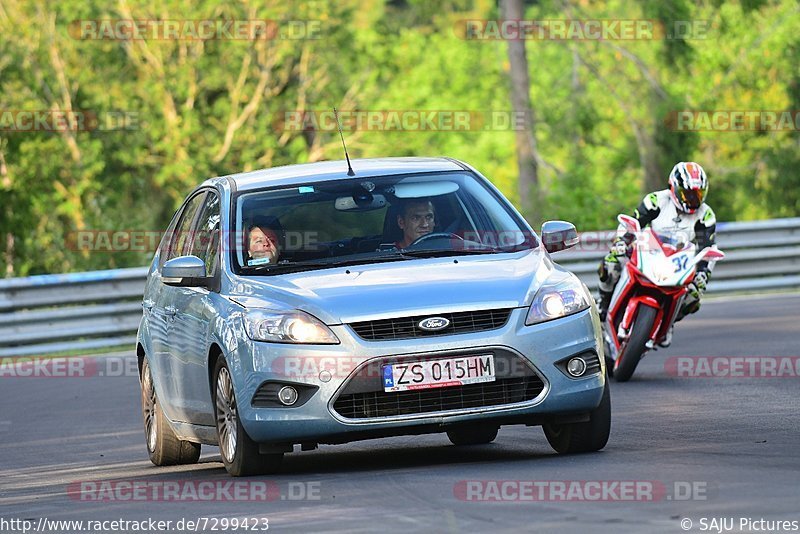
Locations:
column 690, row 447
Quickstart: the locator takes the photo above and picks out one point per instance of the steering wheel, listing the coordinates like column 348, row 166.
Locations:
column 434, row 235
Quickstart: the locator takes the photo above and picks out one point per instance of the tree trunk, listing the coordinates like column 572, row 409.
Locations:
column 5, row 182
column 528, row 184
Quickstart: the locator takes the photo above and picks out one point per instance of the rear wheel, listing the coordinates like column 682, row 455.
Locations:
column 635, row 346
column 239, row 453
column 472, row 435
column 163, row 446
column 589, row 436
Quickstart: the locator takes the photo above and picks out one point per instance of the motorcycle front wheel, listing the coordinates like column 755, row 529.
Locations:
column 635, row 348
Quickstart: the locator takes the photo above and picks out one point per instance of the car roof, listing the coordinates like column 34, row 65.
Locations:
column 331, row 170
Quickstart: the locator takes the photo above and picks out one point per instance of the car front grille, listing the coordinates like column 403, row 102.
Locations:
column 363, row 396
column 380, row 404
column 406, row 327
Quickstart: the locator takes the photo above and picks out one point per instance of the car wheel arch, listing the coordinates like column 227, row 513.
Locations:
column 214, row 354
column 140, row 355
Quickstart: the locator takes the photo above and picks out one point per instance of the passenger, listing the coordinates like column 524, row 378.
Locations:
column 264, row 241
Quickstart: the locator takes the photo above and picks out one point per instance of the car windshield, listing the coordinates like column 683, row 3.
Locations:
column 366, row 220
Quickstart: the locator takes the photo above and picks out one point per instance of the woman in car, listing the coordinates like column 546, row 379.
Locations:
column 264, row 241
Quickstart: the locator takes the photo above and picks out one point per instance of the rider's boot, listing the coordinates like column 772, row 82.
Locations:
column 602, row 305
column 667, row 341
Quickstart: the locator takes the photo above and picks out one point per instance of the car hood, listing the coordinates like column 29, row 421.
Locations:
column 404, row 288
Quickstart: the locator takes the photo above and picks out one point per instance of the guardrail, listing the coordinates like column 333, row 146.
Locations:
column 81, row 311
column 65, row 312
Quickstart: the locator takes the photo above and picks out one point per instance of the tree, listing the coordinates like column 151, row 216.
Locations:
column 527, row 152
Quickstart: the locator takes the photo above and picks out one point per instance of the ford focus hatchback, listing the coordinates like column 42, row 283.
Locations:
column 306, row 304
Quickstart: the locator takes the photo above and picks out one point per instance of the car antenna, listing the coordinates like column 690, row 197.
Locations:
column 349, row 167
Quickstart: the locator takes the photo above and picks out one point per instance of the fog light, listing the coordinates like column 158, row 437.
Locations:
column 288, row 395
column 576, row 367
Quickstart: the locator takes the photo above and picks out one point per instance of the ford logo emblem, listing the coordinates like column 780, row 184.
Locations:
column 433, row 324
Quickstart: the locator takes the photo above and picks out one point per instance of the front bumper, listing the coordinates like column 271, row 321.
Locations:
column 329, row 368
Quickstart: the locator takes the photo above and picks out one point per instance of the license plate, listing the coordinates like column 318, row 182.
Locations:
column 438, row 373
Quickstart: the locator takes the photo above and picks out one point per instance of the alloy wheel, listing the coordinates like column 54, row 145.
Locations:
column 227, row 418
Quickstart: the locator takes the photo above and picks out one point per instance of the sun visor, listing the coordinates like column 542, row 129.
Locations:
column 424, row 189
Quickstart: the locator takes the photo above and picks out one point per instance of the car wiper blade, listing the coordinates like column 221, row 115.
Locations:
column 432, row 253
column 322, row 263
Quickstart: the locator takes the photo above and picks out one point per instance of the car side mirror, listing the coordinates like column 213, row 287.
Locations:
column 559, row 235
column 184, row 271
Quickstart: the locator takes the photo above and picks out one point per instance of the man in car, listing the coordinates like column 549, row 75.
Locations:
column 417, row 218
column 264, row 238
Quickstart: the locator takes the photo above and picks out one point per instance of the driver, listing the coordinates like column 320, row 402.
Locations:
column 417, row 218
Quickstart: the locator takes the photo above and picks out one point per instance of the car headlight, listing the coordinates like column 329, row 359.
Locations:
column 287, row 327
column 558, row 298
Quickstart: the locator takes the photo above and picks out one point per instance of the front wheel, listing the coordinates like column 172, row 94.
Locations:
column 239, row 453
column 635, row 347
column 589, row 436
column 163, row 446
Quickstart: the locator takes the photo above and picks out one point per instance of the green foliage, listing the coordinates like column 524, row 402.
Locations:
column 208, row 108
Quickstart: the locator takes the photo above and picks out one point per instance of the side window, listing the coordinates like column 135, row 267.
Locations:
column 163, row 246
column 180, row 237
column 206, row 233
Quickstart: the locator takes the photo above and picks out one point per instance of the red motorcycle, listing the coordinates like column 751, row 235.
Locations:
column 650, row 292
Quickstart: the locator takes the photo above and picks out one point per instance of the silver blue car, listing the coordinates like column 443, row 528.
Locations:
column 313, row 304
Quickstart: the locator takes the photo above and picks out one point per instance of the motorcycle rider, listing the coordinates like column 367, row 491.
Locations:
column 677, row 211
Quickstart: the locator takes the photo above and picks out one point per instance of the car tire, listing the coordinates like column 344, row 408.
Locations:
column 589, row 436
column 239, row 452
column 163, row 445
column 635, row 346
column 472, row 435
column 609, row 361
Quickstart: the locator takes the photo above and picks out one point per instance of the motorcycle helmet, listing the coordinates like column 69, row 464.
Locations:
column 688, row 185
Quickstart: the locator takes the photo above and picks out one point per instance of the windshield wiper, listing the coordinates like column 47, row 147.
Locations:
column 434, row 252
column 397, row 255
column 323, row 263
